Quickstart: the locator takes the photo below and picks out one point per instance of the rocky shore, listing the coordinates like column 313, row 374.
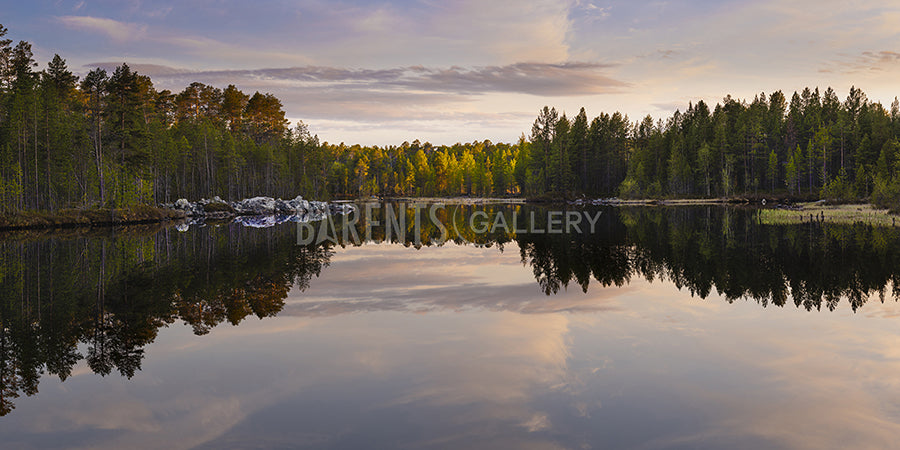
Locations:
column 259, row 212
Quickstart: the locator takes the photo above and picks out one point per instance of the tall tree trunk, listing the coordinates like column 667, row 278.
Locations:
column 37, row 189
column 49, row 202
column 99, row 159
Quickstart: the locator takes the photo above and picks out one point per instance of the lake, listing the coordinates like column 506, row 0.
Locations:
column 475, row 326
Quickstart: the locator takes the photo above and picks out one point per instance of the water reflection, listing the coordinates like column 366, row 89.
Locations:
column 701, row 249
column 113, row 292
column 100, row 300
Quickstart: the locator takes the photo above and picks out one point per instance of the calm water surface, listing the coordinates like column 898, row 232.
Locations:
column 665, row 328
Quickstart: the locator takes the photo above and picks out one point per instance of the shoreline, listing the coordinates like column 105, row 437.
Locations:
column 850, row 213
column 458, row 200
column 88, row 218
column 776, row 214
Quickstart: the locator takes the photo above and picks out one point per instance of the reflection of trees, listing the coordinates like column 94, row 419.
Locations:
column 558, row 259
column 701, row 249
column 112, row 294
column 10, row 378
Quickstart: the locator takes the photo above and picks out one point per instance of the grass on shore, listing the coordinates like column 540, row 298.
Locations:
column 87, row 217
column 818, row 212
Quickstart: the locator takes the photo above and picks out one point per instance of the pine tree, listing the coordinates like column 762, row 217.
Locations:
column 772, row 173
column 542, row 136
column 578, row 150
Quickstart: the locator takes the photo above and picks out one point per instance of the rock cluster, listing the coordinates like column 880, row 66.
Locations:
column 259, row 211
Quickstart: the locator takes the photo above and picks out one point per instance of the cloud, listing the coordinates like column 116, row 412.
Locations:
column 876, row 60
column 589, row 12
column 159, row 12
column 865, row 62
column 151, row 70
column 537, row 422
column 566, row 79
column 179, row 44
column 669, row 107
column 533, row 31
column 224, row 51
column 427, row 32
column 410, row 93
column 448, row 63
column 542, row 79
column 117, row 31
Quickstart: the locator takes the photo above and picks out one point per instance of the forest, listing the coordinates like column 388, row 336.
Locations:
column 113, row 139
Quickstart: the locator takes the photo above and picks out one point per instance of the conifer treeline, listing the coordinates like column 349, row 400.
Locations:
column 114, row 140
column 815, row 146
column 560, row 156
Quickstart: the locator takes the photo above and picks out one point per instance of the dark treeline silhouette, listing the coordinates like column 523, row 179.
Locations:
column 108, row 295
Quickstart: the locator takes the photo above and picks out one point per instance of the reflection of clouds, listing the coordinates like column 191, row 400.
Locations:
column 493, row 371
column 469, row 379
column 107, row 413
column 887, row 309
column 776, row 379
column 525, row 299
column 450, row 278
column 115, row 416
column 850, row 381
column 456, row 357
column 476, row 371
column 813, row 398
column 500, row 361
column 493, row 366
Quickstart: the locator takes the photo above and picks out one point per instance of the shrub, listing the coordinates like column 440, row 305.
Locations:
column 887, row 195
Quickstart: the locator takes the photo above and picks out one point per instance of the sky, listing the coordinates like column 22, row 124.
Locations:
column 380, row 73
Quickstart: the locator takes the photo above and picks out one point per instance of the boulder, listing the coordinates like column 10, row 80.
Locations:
column 284, row 207
column 182, row 204
column 257, row 205
column 261, row 211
